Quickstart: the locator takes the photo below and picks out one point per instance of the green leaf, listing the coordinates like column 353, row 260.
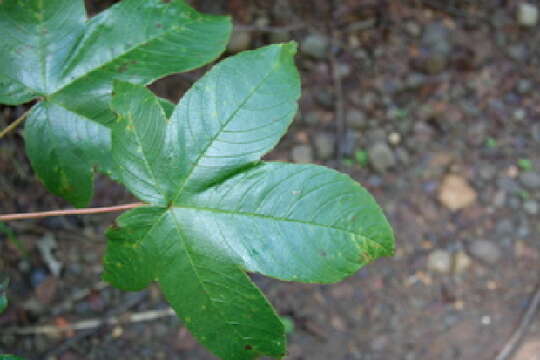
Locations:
column 214, row 297
column 4, row 282
column 49, row 49
column 10, row 357
column 215, row 210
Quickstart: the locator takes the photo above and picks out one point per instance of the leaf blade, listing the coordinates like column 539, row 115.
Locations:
column 155, row 27
column 200, row 146
column 63, row 148
column 293, row 213
column 236, row 322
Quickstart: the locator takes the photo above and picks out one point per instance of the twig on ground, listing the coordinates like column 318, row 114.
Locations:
column 14, row 124
column 11, row 217
column 90, row 324
column 515, row 340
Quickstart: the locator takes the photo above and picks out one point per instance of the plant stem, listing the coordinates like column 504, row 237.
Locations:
column 14, row 124
column 35, row 215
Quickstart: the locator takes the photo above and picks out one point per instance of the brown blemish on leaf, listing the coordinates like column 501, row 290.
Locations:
column 248, row 347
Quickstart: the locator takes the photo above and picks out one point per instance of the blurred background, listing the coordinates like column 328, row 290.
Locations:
column 432, row 105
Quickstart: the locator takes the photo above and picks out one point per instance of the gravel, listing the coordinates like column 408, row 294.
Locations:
column 381, row 157
column 530, row 179
column 315, row 45
column 485, row 250
column 302, row 154
column 324, row 144
column 440, row 261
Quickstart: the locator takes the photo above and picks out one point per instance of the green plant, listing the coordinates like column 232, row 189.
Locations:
column 50, row 52
column 361, row 157
column 4, row 282
column 211, row 210
column 525, row 164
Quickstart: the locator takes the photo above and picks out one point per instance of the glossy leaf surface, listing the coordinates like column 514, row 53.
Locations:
column 215, row 210
column 49, row 49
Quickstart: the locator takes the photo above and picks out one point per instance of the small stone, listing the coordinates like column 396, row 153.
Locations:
column 485, row 250
column 518, row 52
column 527, row 14
column 240, row 41
column 312, row 118
column 455, row 192
column 524, row 86
column 315, row 45
column 530, row 179
column 519, row 114
column 535, row 131
column 487, row 171
column 440, row 261
column 381, row 157
column 324, row 143
column 302, row 154
column 356, row 119
column 343, row 70
column 325, row 97
column 530, row 207
column 436, row 38
column 462, row 262
column 394, row 138
column 413, row 28
column 350, row 142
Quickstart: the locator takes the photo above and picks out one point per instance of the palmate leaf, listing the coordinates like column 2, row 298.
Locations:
column 216, row 211
column 50, row 50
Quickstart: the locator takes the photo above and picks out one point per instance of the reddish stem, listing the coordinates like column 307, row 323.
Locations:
column 35, row 215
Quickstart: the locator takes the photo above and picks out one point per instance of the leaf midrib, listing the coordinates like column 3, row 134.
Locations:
column 283, row 219
column 192, row 263
column 42, row 56
column 127, row 52
column 221, row 129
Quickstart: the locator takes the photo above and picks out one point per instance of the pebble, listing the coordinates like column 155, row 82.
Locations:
column 535, row 131
column 527, row 14
column 518, row 52
column 455, row 192
column 531, row 207
column 485, row 250
column 462, row 262
column 356, row 119
column 315, row 45
column 240, row 41
column 312, row 118
column 325, row 97
column 524, row 86
column 302, row 154
column 381, row 157
column 530, row 179
column 487, row 171
column 440, row 261
column 413, row 28
column 436, row 37
column 394, row 138
column 350, row 142
column 324, row 143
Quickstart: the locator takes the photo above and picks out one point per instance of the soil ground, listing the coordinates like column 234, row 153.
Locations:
column 430, row 91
